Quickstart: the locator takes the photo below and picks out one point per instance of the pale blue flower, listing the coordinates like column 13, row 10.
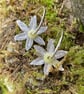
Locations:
column 50, row 57
column 29, row 33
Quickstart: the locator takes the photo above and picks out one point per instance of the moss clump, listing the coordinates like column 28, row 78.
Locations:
column 67, row 41
column 3, row 89
column 6, row 86
column 47, row 3
column 80, row 89
column 75, row 57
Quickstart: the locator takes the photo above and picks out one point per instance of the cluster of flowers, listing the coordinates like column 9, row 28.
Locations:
column 48, row 57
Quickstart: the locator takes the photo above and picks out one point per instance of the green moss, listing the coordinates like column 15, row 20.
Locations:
column 8, row 86
column 50, row 16
column 81, row 27
column 67, row 42
column 80, row 89
column 3, row 89
column 4, row 86
column 47, row 3
column 75, row 57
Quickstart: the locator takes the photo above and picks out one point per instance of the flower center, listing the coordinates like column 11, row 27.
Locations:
column 48, row 58
column 31, row 34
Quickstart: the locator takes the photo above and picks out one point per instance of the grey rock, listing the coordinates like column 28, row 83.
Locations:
column 78, row 9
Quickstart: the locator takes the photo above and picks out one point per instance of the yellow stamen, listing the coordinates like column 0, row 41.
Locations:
column 31, row 34
column 48, row 58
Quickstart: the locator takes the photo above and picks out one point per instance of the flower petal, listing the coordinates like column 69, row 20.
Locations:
column 29, row 43
column 42, row 29
column 60, row 54
column 22, row 26
column 47, row 68
column 21, row 36
column 50, row 45
column 33, row 22
column 40, row 50
column 39, row 40
column 61, row 68
column 38, row 61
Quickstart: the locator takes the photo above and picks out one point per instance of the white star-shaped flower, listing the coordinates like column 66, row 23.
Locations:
column 50, row 57
column 29, row 33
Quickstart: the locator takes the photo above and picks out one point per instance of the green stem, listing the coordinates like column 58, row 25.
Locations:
column 42, row 18
column 58, row 45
